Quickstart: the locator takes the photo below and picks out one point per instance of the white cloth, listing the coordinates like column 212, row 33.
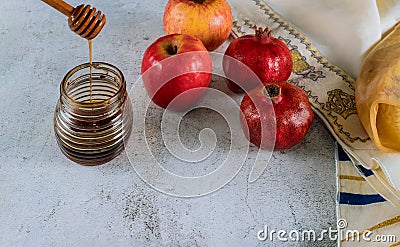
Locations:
column 342, row 30
column 357, row 203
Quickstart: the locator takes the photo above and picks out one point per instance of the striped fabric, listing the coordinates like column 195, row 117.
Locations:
column 365, row 218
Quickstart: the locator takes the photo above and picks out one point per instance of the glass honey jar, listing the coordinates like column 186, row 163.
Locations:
column 93, row 116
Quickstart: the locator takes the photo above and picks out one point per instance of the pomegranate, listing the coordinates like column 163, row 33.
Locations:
column 269, row 58
column 293, row 114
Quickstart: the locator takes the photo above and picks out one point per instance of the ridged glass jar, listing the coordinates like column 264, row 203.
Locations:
column 93, row 120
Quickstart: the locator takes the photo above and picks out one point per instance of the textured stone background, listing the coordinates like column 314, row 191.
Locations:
column 46, row 200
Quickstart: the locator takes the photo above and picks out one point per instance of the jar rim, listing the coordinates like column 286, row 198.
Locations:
column 95, row 65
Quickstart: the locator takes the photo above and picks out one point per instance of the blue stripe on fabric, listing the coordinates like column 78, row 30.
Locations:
column 365, row 171
column 344, row 157
column 342, row 154
column 358, row 199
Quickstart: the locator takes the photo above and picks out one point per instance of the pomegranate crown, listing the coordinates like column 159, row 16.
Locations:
column 262, row 32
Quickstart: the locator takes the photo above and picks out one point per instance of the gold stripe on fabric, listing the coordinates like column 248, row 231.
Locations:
column 348, row 177
column 383, row 224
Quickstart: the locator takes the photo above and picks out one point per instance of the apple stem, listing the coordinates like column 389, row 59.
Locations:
column 198, row 1
column 172, row 49
column 273, row 92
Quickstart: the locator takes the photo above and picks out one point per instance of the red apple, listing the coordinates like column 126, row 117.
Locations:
column 208, row 20
column 172, row 66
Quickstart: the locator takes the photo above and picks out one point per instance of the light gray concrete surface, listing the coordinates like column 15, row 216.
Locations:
column 46, row 200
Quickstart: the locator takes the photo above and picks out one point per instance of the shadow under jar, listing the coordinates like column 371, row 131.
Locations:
column 93, row 118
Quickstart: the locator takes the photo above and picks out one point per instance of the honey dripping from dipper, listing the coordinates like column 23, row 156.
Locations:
column 90, row 70
column 83, row 20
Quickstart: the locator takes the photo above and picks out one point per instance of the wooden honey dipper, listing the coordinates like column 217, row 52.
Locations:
column 83, row 20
